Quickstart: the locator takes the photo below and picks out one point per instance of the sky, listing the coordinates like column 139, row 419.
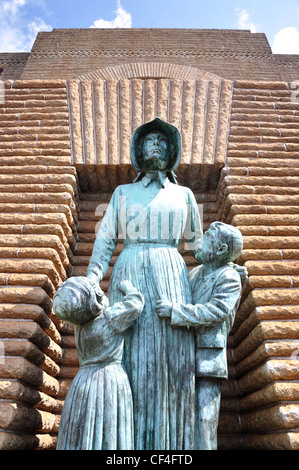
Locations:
column 21, row 20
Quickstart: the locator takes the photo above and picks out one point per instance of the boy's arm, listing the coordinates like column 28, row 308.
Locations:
column 226, row 294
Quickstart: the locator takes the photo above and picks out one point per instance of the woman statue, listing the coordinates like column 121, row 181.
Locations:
column 98, row 409
column 152, row 215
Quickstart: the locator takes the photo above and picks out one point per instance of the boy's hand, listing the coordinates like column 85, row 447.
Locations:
column 163, row 308
column 125, row 287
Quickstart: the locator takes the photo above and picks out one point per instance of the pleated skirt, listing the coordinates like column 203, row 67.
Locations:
column 98, row 411
column 159, row 359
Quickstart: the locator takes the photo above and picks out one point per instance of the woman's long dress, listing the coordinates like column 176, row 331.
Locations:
column 98, row 409
column 159, row 359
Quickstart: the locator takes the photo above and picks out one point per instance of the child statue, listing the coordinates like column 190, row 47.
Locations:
column 216, row 290
column 98, row 409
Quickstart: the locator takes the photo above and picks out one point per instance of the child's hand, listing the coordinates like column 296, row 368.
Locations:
column 125, row 287
column 163, row 308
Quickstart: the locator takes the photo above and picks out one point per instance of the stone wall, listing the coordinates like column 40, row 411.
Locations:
column 38, row 220
column 232, row 54
column 12, row 64
column 104, row 113
column 47, row 228
column 258, row 192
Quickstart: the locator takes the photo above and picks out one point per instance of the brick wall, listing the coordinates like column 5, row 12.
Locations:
column 232, row 54
column 104, row 113
column 258, row 192
column 38, row 219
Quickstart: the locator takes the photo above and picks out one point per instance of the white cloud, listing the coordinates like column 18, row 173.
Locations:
column 122, row 19
column 244, row 22
column 286, row 41
column 15, row 34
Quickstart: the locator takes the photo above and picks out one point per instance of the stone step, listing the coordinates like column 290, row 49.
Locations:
column 37, row 219
column 240, row 96
column 261, row 209
column 257, row 282
column 16, row 124
column 266, row 199
column 34, row 152
column 41, row 131
column 261, row 85
column 272, row 418
column 270, row 254
column 264, row 230
column 262, row 154
column 279, row 349
column 38, row 179
column 265, row 146
column 248, row 106
column 266, row 219
column 15, row 311
column 37, row 253
column 21, row 340
column 25, row 266
column 39, row 95
column 29, row 102
column 33, row 137
column 262, row 139
column 36, row 241
column 262, row 171
column 38, row 84
column 37, row 188
column 287, row 117
column 269, row 372
column 289, row 181
column 28, row 419
column 244, row 322
column 34, row 115
column 262, row 92
column 37, row 169
column 252, row 162
column 69, row 242
column 47, row 161
column 266, row 189
column 40, row 208
column 35, row 144
column 271, row 128
column 249, row 341
column 35, row 91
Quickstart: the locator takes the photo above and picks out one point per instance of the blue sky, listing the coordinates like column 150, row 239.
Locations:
column 20, row 20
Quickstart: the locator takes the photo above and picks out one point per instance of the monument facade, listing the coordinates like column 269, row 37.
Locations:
column 70, row 108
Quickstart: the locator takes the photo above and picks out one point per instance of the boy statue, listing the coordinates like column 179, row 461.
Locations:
column 216, row 290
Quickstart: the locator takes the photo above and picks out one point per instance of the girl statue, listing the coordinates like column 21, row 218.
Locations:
column 98, row 409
